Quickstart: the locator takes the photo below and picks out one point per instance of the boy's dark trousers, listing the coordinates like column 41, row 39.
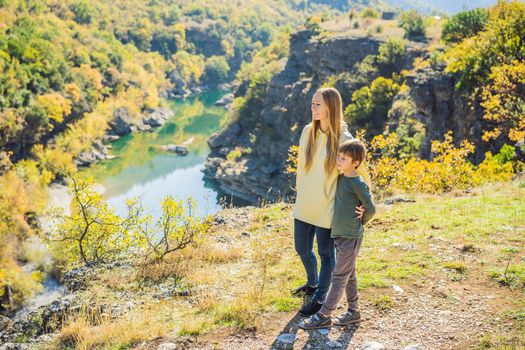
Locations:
column 343, row 276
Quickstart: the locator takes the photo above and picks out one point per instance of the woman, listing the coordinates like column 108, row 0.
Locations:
column 316, row 183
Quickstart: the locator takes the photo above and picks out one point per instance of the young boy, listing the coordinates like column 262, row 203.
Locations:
column 348, row 232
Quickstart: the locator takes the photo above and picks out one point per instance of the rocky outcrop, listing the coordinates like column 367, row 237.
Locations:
column 120, row 125
column 123, row 123
column 205, row 37
column 96, row 153
column 225, row 101
column 32, row 324
column 178, row 149
column 441, row 107
column 180, row 88
column 270, row 128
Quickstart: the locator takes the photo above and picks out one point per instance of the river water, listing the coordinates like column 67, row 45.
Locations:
column 141, row 170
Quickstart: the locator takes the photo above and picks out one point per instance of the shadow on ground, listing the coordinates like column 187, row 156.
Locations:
column 317, row 339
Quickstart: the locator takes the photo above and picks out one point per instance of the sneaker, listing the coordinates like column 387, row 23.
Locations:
column 350, row 317
column 304, row 290
column 311, row 308
column 316, row 321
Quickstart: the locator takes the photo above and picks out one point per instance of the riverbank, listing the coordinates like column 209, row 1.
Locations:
column 432, row 274
column 143, row 167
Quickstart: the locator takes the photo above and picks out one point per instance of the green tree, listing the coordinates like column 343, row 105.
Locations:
column 83, row 11
column 490, row 65
column 413, row 23
column 465, row 25
column 370, row 105
column 392, row 54
column 172, row 15
column 216, row 69
column 500, row 43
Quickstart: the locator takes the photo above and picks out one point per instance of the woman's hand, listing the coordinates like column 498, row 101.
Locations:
column 360, row 210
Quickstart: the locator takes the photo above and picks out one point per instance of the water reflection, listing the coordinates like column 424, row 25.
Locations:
column 140, row 169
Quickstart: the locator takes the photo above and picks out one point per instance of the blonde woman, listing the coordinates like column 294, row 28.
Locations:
column 316, row 184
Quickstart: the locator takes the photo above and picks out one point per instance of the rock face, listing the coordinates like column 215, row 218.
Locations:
column 440, row 107
column 157, row 117
column 277, row 123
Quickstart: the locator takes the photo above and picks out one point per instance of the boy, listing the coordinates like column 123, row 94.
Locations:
column 348, row 232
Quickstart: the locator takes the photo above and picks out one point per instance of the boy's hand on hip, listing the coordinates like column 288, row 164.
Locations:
column 360, row 210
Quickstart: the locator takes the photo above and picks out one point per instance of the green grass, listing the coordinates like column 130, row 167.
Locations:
column 286, row 304
column 383, row 302
column 457, row 266
column 514, row 277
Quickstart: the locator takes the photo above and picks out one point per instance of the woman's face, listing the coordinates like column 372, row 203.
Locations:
column 319, row 107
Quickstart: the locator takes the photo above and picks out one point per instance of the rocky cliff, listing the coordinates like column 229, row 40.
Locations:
column 441, row 107
column 269, row 129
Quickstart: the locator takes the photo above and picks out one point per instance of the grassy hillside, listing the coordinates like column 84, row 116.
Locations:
column 458, row 258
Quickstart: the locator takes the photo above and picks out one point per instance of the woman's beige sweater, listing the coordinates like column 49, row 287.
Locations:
column 315, row 189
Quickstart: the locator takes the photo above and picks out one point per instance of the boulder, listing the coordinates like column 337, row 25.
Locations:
column 121, row 122
column 225, row 100
column 158, row 117
column 182, row 150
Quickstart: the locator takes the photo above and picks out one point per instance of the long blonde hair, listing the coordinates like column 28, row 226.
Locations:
column 332, row 99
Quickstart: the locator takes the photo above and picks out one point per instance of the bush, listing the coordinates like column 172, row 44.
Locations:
column 448, row 170
column 178, row 227
column 413, row 24
column 503, row 100
column 392, row 54
column 234, row 154
column 370, row 13
column 370, row 105
column 465, row 25
column 216, row 69
column 92, row 233
column 313, row 23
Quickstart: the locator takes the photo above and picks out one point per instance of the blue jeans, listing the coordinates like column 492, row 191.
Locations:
column 304, row 234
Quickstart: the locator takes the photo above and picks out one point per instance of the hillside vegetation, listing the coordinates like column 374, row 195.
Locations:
column 458, row 258
column 68, row 65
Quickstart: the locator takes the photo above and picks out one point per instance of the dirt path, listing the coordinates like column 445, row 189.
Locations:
column 432, row 315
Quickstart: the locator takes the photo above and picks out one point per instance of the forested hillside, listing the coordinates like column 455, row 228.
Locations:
column 67, row 66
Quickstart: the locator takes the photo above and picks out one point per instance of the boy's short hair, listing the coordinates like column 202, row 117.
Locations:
column 355, row 149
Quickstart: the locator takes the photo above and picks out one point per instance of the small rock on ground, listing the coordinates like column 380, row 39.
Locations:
column 287, row 338
column 372, row 345
column 332, row 344
column 167, row 346
column 411, row 347
column 323, row 331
